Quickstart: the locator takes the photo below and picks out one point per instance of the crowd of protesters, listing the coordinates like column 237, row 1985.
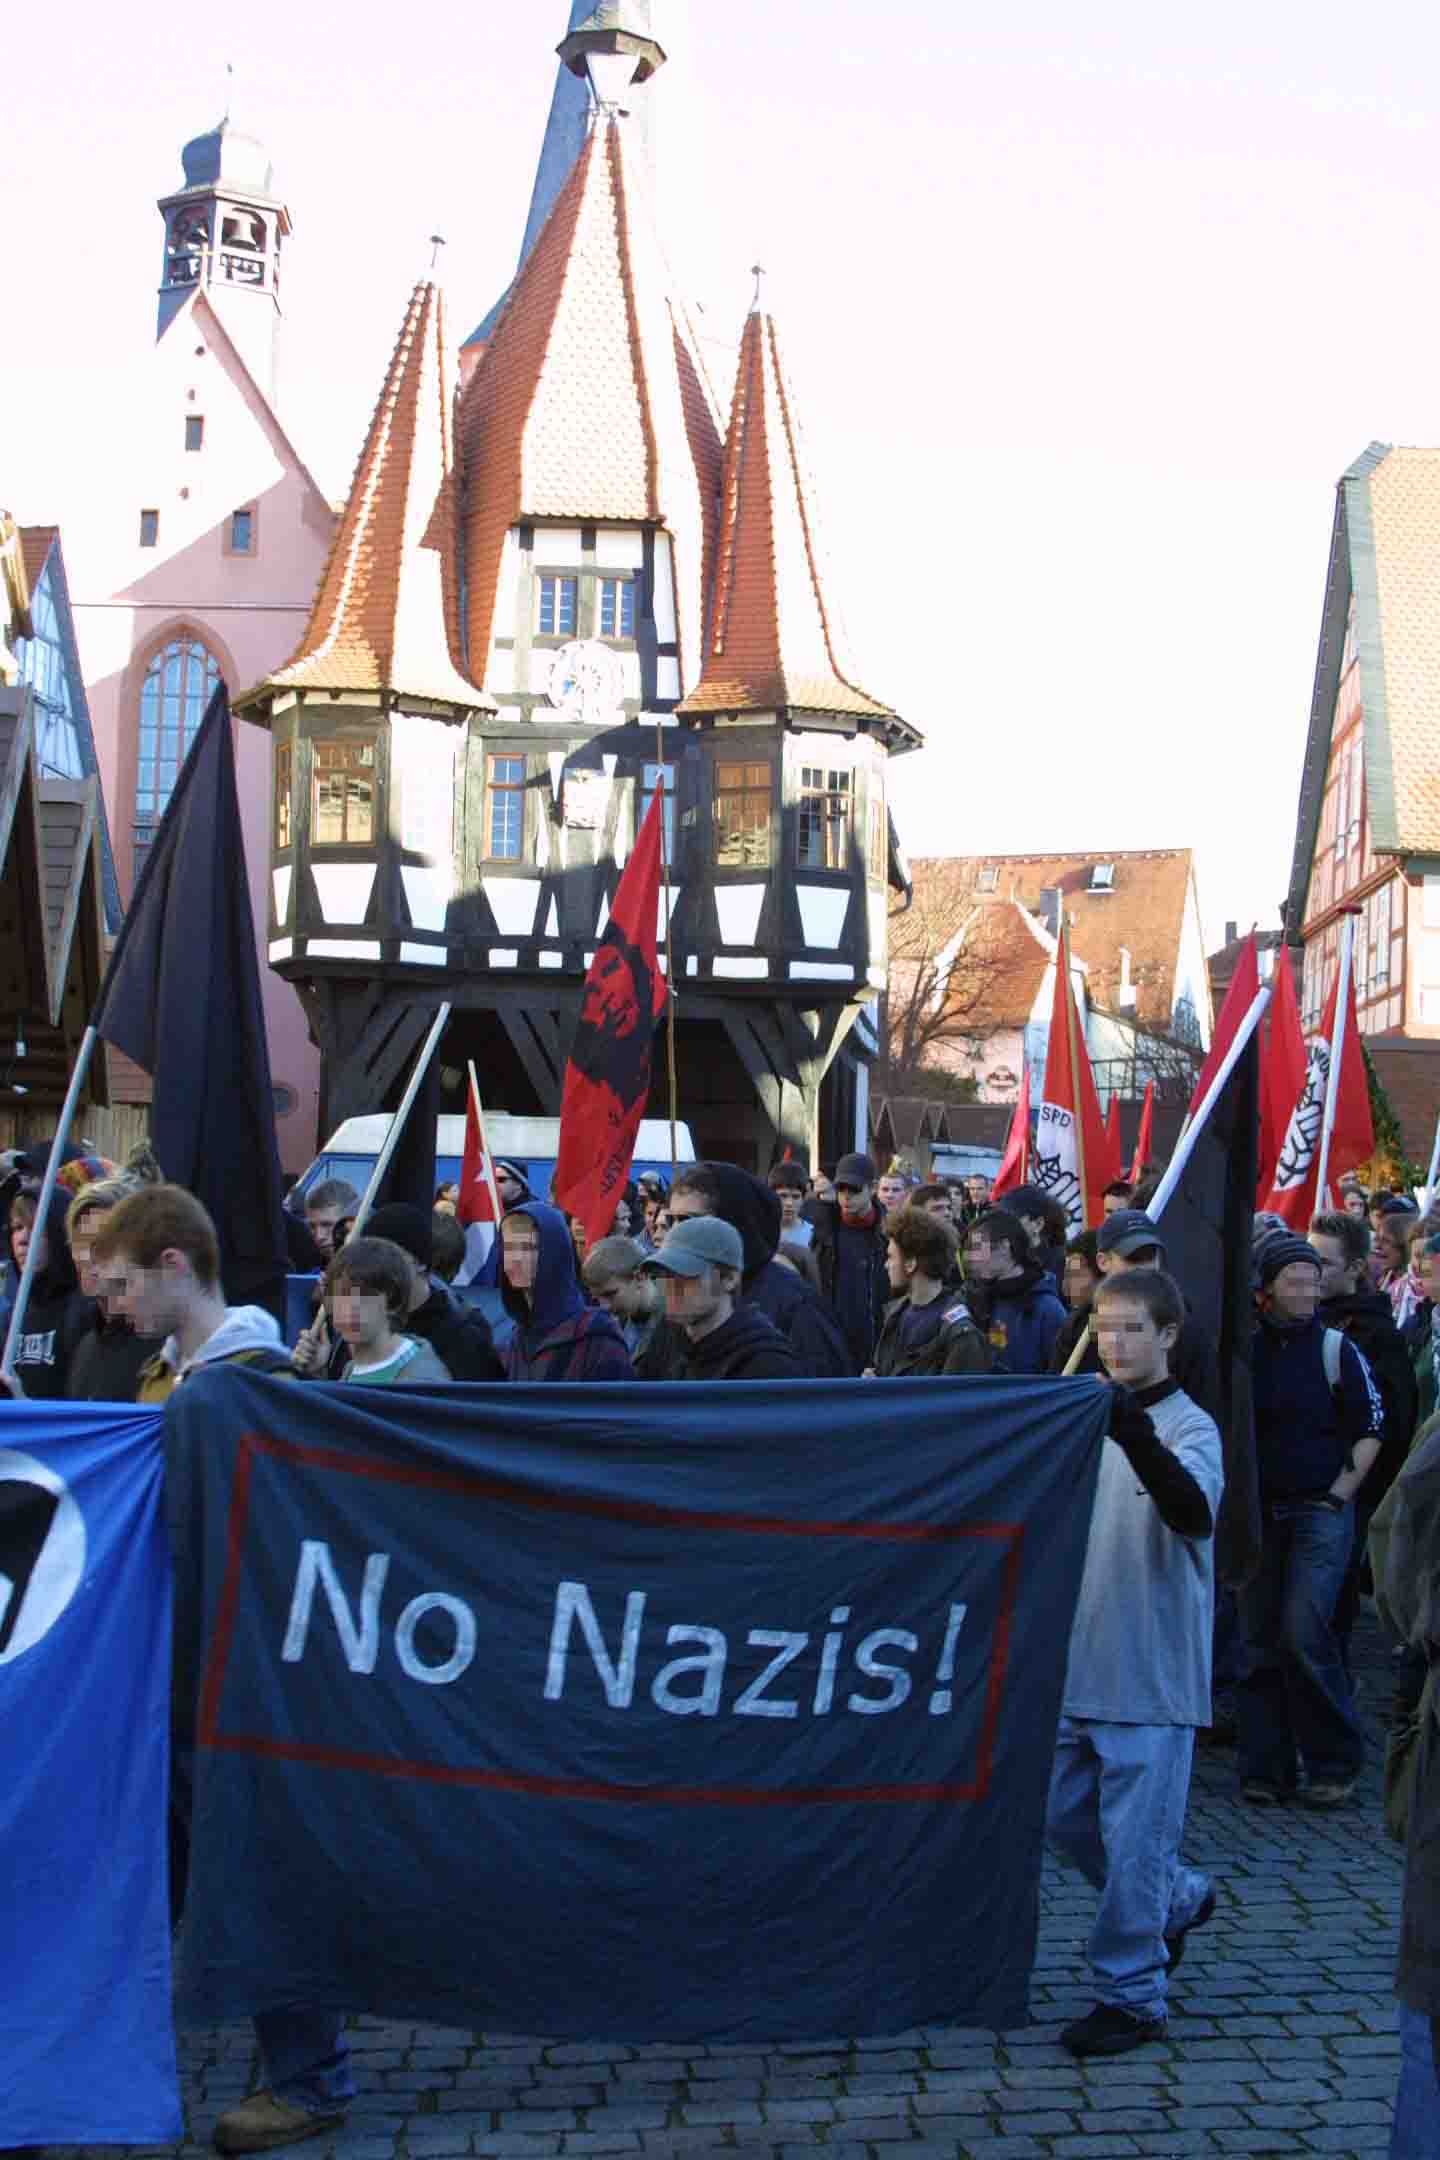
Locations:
column 854, row 1275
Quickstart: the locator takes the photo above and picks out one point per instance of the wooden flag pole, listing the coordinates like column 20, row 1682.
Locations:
column 1070, row 1030
column 1337, row 1052
column 42, row 1204
column 397, row 1123
column 490, row 1186
column 660, row 762
column 1072, row 1363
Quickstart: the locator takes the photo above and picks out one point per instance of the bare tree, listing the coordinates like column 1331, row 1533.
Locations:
column 961, row 966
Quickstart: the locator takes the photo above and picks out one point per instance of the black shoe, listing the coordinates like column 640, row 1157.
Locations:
column 1175, row 1937
column 1261, row 1793
column 1110, row 2031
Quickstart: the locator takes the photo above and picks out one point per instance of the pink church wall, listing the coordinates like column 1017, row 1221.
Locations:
column 249, row 610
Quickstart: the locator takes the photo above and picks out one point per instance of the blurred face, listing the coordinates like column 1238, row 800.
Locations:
column 22, row 1230
column 1338, row 1275
column 82, row 1251
column 1134, row 1352
column 985, row 1262
column 854, row 1201
column 978, row 1189
column 623, row 1218
column 1114, row 1201
column 1354, row 1203
column 626, row 1296
column 897, row 1267
column 359, row 1317
column 1390, row 1246
column 697, row 1303
column 1295, row 1292
column 942, row 1205
column 1079, row 1282
column 153, row 1300
column 509, row 1188
column 890, row 1191
column 660, row 1229
column 683, row 1205
column 322, row 1223
column 1115, row 1263
column 790, row 1198
column 520, row 1242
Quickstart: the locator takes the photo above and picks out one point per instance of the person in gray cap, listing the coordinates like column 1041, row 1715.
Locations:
column 1132, row 1239
column 700, row 1264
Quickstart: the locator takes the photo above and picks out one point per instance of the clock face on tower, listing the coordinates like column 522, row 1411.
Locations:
column 587, row 682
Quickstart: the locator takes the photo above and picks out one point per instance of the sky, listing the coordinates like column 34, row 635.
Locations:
column 1086, row 311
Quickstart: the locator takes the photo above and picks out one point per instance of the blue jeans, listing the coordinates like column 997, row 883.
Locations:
column 1294, row 1692
column 1117, row 1810
column 1415, row 2133
column 305, row 2058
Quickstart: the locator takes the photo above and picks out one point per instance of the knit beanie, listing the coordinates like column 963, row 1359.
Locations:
column 1281, row 1250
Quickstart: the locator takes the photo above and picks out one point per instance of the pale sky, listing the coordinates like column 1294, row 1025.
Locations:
column 1086, row 310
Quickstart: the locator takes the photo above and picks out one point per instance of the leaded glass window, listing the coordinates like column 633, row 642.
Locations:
column 824, row 824
column 742, row 813
column 342, row 810
column 179, row 683
column 42, row 666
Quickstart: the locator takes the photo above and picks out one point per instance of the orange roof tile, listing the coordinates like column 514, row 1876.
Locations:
column 386, row 615
column 1142, row 910
column 590, row 402
column 771, row 642
column 36, row 542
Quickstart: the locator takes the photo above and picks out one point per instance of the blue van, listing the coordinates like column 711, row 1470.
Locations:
column 353, row 1149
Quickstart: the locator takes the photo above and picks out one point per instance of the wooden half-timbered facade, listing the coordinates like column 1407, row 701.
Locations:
column 580, row 585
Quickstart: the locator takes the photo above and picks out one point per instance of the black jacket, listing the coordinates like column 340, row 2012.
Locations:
column 746, row 1347
column 57, row 1313
column 941, row 1338
column 106, row 1360
column 853, row 1277
column 785, row 1298
column 458, row 1333
column 1367, row 1318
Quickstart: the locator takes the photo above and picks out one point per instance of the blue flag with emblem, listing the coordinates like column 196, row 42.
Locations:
column 89, row 2053
column 693, row 1712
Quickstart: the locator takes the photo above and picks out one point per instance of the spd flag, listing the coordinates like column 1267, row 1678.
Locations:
column 1070, row 1147
column 607, row 1075
column 1282, row 1072
column 1294, row 1192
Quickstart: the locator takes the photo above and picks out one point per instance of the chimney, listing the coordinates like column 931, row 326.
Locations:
column 1049, row 909
column 1232, row 932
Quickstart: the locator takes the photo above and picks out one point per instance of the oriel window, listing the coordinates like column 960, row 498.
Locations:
column 343, row 787
column 505, row 811
column 617, row 607
column 824, row 823
column 559, row 609
column 742, row 814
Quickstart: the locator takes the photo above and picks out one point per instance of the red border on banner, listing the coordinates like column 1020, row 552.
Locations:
column 209, row 1735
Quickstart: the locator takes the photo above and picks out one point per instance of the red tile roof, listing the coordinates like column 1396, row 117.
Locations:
column 1143, row 911
column 386, row 615
column 590, row 402
column 771, row 640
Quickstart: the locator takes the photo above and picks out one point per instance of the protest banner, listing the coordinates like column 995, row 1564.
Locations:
column 89, row 2056
column 676, row 1712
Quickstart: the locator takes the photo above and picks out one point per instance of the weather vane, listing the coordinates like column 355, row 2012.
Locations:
column 757, row 271
column 437, row 241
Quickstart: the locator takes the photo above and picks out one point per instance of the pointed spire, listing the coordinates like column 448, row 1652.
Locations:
column 591, row 402
column 772, row 643
column 386, row 616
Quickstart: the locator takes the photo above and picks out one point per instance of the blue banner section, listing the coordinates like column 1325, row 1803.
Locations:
column 89, row 2054
column 658, row 1712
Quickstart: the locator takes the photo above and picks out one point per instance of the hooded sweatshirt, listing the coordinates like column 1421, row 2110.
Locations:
column 248, row 1335
column 557, row 1335
column 744, row 1347
column 1022, row 1319
column 57, row 1312
column 785, row 1299
column 107, row 1360
column 851, row 1260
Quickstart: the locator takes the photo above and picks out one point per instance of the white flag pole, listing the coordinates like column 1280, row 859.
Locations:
column 1434, row 1171
column 1337, row 1051
column 42, row 1204
column 397, row 1123
column 1192, row 1132
column 490, row 1186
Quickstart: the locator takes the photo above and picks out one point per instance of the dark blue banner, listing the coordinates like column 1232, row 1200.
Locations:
column 89, row 2053
column 660, row 1712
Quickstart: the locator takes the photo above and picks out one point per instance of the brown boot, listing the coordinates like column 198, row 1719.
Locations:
column 262, row 2121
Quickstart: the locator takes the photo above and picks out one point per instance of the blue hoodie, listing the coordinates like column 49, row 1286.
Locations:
column 557, row 1335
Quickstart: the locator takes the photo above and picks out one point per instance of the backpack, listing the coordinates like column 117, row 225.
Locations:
column 1330, row 1350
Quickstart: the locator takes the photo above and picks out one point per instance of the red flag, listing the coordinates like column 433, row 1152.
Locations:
column 607, row 1075
column 1241, row 995
column 1282, row 1072
column 1014, row 1163
column 1293, row 1193
column 1113, row 1160
column 479, row 1198
column 1070, row 1151
column 1145, row 1137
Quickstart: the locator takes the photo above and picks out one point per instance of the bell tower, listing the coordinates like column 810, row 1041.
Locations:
column 224, row 233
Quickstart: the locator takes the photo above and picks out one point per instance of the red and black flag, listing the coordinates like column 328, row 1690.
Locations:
column 607, row 1075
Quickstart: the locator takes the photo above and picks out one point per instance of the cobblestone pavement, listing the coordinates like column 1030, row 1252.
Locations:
column 1282, row 2039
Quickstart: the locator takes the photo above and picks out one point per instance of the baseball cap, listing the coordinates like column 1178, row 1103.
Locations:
column 854, row 1170
column 1128, row 1230
column 697, row 1242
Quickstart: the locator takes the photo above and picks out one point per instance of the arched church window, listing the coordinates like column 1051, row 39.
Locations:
column 179, row 683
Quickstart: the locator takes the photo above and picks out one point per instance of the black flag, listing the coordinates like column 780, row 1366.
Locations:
column 182, row 998
column 1206, row 1226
